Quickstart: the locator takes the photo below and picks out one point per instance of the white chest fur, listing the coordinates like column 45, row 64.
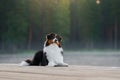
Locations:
column 54, row 56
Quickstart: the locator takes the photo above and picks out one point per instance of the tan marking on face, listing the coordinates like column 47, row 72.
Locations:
column 50, row 41
column 58, row 43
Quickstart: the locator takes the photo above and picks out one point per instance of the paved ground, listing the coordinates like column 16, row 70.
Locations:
column 15, row 72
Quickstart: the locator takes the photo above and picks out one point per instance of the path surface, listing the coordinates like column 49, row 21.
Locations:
column 73, row 72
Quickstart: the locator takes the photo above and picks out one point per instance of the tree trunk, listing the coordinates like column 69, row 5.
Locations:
column 115, row 34
column 29, row 37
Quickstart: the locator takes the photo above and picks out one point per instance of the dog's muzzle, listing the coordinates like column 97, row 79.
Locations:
column 55, row 40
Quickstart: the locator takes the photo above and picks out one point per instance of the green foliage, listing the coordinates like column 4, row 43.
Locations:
column 16, row 23
column 60, row 18
column 26, row 22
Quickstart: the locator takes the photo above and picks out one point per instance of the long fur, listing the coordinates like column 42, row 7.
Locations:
column 51, row 55
column 39, row 59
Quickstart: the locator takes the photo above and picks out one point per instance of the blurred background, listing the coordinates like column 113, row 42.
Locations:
column 90, row 29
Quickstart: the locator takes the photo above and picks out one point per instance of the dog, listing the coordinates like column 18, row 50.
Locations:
column 51, row 55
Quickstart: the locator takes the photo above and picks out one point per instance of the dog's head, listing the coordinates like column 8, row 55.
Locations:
column 53, row 38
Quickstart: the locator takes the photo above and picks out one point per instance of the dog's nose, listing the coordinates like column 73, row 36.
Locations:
column 55, row 40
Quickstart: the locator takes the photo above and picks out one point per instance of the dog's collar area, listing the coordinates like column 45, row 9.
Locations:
column 48, row 42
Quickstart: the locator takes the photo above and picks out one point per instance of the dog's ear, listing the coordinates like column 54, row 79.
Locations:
column 47, row 36
column 50, row 35
column 60, row 38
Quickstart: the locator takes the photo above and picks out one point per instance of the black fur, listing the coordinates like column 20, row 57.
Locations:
column 53, row 35
column 62, row 52
column 39, row 59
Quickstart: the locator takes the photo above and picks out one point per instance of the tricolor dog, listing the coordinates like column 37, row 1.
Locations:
column 51, row 55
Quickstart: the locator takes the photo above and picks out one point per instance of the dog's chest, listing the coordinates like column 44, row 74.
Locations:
column 53, row 51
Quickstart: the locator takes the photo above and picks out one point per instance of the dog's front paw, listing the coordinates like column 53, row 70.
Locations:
column 61, row 65
column 51, row 64
column 65, row 64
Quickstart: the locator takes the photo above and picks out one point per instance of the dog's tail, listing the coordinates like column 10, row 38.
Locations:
column 39, row 59
column 26, row 62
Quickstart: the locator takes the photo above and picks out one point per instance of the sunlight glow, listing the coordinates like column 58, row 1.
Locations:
column 98, row 1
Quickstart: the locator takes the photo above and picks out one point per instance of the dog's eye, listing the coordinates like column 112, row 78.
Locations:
column 49, row 37
column 59, row 37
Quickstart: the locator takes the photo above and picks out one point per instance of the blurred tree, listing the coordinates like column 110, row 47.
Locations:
column 115, row 19
column 60, row 22
column 85, row 21
column 82, row 23
column 110, row 22
column 3, row 26
column 15, row 24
